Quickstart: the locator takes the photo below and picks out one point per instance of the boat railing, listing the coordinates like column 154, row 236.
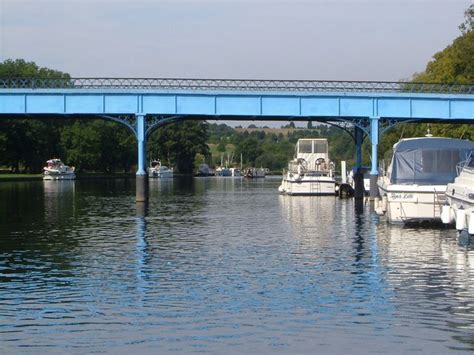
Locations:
column 468, row 163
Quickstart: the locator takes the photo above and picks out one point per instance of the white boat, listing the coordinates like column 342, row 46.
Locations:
column 413, row 188
column 157, row 170
column 310, row 172
column 56, row 170
column 223, row 171
column 204, row 170
column 460, row 197
column 254, row 173
column 235, row 172
column 365, row 171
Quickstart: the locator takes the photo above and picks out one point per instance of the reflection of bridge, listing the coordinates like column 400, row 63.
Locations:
column 361, row 108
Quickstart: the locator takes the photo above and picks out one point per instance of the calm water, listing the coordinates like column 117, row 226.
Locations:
column 222, row 266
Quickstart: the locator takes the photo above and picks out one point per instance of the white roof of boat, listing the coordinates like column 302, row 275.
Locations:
column 432, row 142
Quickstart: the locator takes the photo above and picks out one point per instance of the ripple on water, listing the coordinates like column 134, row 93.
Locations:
column 216, row 265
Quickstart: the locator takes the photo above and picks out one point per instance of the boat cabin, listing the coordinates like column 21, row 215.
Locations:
column 314, row 152
column 427, row 160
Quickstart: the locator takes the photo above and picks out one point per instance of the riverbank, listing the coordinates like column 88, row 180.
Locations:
column 80, row 176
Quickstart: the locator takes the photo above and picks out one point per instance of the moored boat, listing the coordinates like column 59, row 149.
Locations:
column 56, row 170
column 223, row 171
column 459, row 206
column 157, row 170
column 254, row 173
column 414, row 185
column 204, row 170
column 310, row 172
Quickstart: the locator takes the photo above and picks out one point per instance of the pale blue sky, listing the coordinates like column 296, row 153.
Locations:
column 287, row 39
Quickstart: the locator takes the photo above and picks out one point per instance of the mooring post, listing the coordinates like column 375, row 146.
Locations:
column 359, row 190
column 374, row 172
column 141, row 176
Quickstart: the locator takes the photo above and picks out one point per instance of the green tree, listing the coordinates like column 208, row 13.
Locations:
column 468, row 23
column 178, row 143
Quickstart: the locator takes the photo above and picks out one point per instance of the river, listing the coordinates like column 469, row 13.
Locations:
column 222, row 265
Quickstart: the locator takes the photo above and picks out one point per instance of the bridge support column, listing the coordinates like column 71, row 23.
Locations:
column 141, row 176
column 374, row 172
column 359, row 190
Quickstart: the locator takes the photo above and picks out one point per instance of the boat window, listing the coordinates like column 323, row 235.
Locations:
column 320, row 147
column 305, row 146
column 447, row 160
column 441, row 161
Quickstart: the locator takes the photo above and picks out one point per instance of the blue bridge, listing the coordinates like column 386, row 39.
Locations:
column 364, row 109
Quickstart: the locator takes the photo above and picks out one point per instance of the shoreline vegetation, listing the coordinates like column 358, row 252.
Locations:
column 8, row 177
column 110, row 149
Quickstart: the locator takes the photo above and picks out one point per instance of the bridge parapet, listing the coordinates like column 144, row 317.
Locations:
column 235, row 85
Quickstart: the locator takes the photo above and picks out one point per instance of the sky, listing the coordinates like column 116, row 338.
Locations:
column 249, row 39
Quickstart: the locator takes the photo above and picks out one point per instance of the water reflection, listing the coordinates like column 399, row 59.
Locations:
column 432, row 277
column 142, row 247
column 223, row 265
column 59, row 201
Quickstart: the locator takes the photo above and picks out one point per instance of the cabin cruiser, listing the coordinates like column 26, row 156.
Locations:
column 56, row 170
column 413, row 188
column 157, row 170
column 204, row 170
column 460, row 197
column 365, row 171
column 223, row 171
column 235, row 172
column 254, row 173
column 310, row 172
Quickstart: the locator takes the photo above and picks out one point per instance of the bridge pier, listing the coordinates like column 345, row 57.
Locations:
column 141, row 176
column 359, row 190
column 374, row 172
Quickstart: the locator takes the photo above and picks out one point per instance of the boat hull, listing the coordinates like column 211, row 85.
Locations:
column 160, row 174
column 54, row 177
column 404, row 204
column 461, row 193
column 308, row 187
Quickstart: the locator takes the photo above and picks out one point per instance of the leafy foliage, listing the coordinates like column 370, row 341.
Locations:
column 178, row 143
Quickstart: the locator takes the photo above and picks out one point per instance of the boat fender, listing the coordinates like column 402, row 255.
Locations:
column 378, row 207
column 384, row 203
column 470, row 229
column 460, row 218
column 446, row 214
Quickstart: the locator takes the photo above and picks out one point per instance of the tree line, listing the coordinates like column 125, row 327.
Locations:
column 98, row 145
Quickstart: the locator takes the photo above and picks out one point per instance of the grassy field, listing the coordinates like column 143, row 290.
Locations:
column 276, row 131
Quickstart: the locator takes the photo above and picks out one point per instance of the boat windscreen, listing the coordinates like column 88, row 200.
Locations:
column 305, row 146
column 320, row 147
column 428, row 164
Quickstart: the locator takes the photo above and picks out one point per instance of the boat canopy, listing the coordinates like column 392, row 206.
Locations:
column 427, row 161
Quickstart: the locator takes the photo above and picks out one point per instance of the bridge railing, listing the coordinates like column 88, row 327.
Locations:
column 233, row 85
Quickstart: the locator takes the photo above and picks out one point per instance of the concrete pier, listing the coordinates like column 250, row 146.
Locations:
column 141, row 188
column 359, row 190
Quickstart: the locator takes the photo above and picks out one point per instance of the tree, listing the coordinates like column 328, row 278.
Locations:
column 468, row 23
column 178, row 143
column 28, row 143
column 221, row 147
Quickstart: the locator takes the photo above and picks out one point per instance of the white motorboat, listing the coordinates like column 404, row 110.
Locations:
column 310, row 172
column 413, row 188
column 235, row 172
column 460, row 197
column 223, row 171
column 204, row 170
column 157, row 170
column 254, row 173
column 365, row 171
column 56, row 170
